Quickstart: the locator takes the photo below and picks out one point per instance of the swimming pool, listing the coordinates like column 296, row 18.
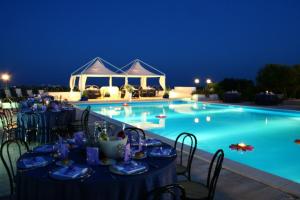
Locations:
column 272, row 132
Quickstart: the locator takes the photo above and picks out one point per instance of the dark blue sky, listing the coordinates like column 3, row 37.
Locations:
column 45, row 42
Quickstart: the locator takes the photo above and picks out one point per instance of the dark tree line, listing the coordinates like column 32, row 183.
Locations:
column 280, row 79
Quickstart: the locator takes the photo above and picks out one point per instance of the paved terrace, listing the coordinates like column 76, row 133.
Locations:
column 230, row 186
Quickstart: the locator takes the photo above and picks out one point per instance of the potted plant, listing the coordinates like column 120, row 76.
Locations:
column 84, row 96
column 129, row 89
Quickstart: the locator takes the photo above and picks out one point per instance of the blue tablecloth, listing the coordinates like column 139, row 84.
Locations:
column 36, row 184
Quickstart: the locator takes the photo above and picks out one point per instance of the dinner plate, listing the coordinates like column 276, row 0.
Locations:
column 83, row 175
column 114, row 170
column 47, row 148
column 151, row 153
column 21, row 165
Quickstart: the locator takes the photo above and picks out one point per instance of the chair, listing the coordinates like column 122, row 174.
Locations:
column 134, row 134
column 7, row 131
column 181, row 169
column 29, row 93
column 82, row 124
column 195, row 190
column 7, row 93
column 174, row 191
column 10, row 152
column 9, row 116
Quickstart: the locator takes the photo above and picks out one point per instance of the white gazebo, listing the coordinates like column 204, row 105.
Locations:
column 138, row 69
column 94, row 68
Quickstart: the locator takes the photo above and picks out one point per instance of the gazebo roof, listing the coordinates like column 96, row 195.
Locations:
column 96, row 67
column 139, row 68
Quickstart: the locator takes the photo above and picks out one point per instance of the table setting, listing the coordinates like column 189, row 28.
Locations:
column 43, row 113
column 101, row 165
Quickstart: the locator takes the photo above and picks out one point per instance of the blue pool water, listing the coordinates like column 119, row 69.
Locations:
column 271, row 132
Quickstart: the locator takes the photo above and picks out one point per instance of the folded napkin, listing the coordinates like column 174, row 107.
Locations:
column 160, row 151
column 38, row 161
column 70, row 172
column 44, row 148
column 130, row 167
column 152, row 142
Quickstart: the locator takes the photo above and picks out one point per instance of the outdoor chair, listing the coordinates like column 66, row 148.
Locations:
column 41, row 92
column 82, row 124
column 134, row 134
column 29, row 93
column 173, row 191
column 19, row 93
column 9, row 116
column 7, row 93
column 7, row 131
column 10, row 152
column 196, row 190
column 190, row 141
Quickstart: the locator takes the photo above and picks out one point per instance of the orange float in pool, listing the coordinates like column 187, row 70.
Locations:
column 241, row 147
column 297, row 141
column 161, row 116
column 125, row 104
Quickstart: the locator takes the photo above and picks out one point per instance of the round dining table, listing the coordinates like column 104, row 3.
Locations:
column 36, row 184
column 43, row 121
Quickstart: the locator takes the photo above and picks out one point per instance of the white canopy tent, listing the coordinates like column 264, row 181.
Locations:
column 94, row 68
column 97, row 68
column 137, row 69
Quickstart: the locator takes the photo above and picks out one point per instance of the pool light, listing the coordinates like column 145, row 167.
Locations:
column 196, row 120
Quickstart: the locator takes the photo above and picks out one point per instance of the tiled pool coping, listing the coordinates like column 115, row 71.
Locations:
column 274, row 181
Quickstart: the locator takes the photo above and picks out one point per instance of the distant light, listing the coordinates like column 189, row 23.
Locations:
column 197, row 81
column 5, row 77
column 208, row 119
column 208, row 81
column 196, row 120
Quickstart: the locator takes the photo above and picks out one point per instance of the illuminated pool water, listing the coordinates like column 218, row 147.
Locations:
column 271, row 132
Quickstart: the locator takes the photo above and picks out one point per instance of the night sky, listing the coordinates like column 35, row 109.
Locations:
column 42, row 43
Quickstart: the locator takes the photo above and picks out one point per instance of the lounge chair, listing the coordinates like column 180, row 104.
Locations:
column 30, row 93
column 267, row 99
column 19, row 92
column 7, row 93
column 232, row 97
column 41, row 92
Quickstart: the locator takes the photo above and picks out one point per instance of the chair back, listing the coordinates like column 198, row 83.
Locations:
column 214, row 172
column 19, row 92
column 7, row 93
column 4, row 121
column 8, row 116
column 29, row 93
column 85, row 118
column 134, row 134
column 10, row 152
column 173, row 191
column 184, row 138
